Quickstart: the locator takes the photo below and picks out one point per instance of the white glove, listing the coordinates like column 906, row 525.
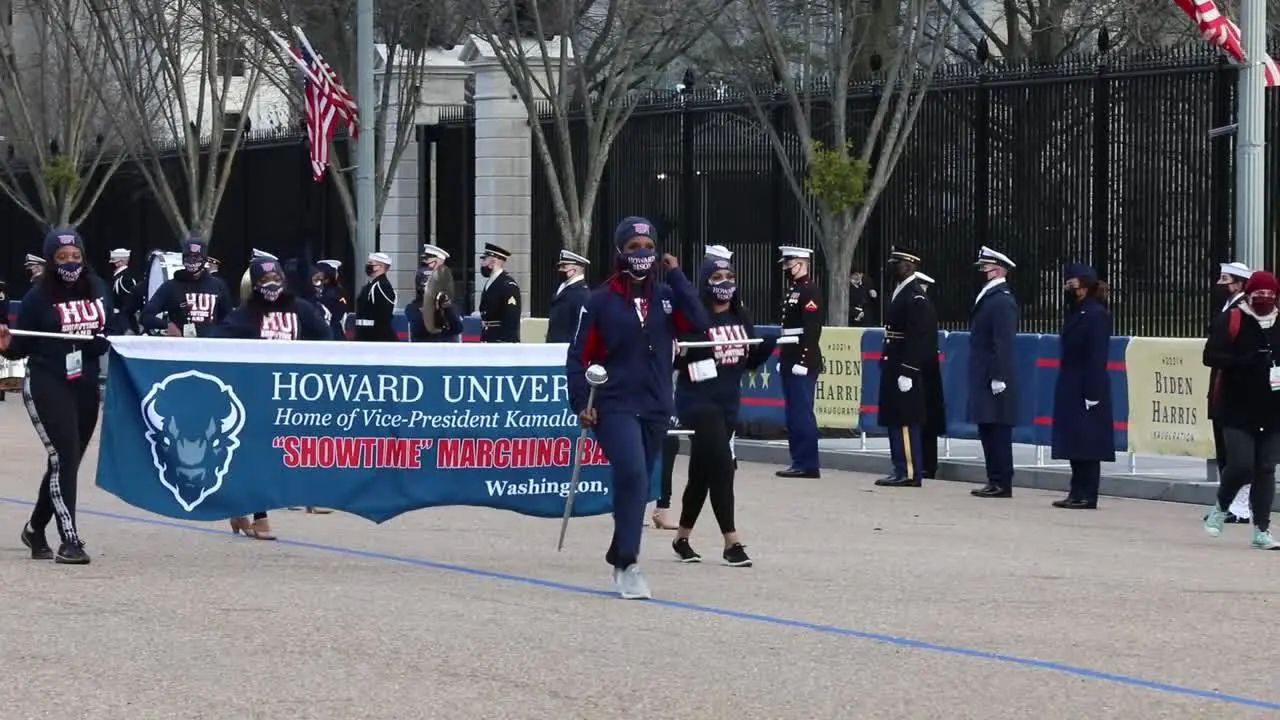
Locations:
column 998, row 386
column 872, row 293
column 904, row 383
column 799, row 370
column 1088, row 404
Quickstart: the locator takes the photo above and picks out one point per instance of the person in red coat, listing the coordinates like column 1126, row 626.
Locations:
column 1082, row 411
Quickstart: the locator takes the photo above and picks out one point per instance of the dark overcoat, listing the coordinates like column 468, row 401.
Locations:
column 910, row 344
column 1079, row 433
column 992, row 331
column 562, row 319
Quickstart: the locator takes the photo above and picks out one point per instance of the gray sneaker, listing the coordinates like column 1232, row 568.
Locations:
column 631, row 584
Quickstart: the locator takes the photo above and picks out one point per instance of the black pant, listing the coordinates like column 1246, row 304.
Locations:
column 930, row 442
column 1251, row 460
column 65, row 414
column 997, row 454
column 1086, row 476
column 1219, row 448
column 710, row 469
column 670, row 448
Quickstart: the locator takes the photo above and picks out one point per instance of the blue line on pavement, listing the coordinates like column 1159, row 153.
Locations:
column 723, row 612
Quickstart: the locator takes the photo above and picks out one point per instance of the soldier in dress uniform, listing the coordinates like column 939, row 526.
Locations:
column 562, row 320
column 992, row 381
column 500, row 300
column 376, row 303
column 935, row 424
column 1229, row 291
column 910, row 344
column 124, row 289
column 34, row 266
column 800, row 364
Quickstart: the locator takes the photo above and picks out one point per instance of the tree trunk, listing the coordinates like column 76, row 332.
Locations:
column 839, row 253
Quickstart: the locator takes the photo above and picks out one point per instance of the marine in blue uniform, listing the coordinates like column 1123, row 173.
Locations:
column 910, row 345
column 447, row 319
column 562, row 319
column 500, row 299
column 801, row 363
column 628, row 325
column 326, row 283
column 192, row 302
column 1082, row 409
column 993, row 385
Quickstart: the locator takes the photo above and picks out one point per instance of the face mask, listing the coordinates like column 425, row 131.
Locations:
column 1262, row 305
column 270, row 291
column 639, row 263
column 192, row 263
column 1069, row 296
column 723, row 291
column 368, row 270
column 70, row 272
column 486, row 271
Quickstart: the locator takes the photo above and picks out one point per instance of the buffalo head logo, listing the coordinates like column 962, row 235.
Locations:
column 193, row 426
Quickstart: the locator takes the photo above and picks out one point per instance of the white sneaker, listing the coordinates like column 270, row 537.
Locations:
column 1263, row 540
column 631, row 584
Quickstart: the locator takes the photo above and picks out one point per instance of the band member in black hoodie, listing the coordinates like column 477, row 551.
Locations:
column 330, row 298
column 193, row 302
column 708, row 394
column 61, row 387
column 1242, row 349
column 270, row 313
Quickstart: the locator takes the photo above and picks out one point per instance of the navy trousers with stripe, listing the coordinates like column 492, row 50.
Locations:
column 907, row 451
column 65, row 414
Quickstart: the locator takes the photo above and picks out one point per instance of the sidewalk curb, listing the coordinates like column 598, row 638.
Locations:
column 1140, row 487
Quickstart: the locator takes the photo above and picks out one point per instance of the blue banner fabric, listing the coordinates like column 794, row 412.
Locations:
column 206, row 429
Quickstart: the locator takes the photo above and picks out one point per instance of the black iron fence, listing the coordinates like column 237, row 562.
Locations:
column 1101, row 160
column 270, row 202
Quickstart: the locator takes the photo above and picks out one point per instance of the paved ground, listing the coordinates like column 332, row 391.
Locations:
column 864, row 603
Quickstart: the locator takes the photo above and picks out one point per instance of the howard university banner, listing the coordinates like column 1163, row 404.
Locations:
column 206, row 429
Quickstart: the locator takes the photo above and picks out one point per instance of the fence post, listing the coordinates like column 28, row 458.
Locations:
column 1102, row 160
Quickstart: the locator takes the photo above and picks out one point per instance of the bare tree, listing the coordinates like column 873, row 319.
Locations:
column 182, row 76
column 60, row 147
column 578, row 61
column 836, row 181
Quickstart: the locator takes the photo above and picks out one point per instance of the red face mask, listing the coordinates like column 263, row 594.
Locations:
column 1263, row 303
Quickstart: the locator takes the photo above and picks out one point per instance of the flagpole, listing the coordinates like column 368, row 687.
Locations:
column 1251, row 137
column 366, row 225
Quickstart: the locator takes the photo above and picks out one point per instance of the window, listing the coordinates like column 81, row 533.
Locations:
column 230, row 61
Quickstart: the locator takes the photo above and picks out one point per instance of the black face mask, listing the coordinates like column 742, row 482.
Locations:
column 1069, row 297
column 486, row 271
column 1222, row 293
column 368, row 270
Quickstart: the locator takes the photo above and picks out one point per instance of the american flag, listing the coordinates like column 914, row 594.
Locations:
column 325, row 102
column 1218, row 29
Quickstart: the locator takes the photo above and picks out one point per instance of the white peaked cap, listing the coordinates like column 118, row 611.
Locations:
column 120, row 254
column 572, row 258
column 261, row 255
column 990, row 256
column 335, row 264
column 435, row 251
column 719, row 251
column 925, row 278
column 791, row 251
column 34, row 260
column 380, row 257
column 1235, row 269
